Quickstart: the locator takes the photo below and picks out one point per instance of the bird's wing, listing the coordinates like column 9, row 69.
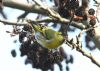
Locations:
column 49, row 34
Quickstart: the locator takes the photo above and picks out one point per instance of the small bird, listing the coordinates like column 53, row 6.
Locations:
column 48, row 37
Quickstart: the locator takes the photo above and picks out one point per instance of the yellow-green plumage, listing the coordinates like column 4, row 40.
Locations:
column 47, row 37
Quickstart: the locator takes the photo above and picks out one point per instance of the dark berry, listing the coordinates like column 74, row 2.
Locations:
column 67, row 68
column 91, row 11
column 92, row 22
column 71, row 59
column 13, row 52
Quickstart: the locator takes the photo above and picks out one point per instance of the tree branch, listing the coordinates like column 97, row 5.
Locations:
column 48, row 20
column 26, row 7
column 6, row 22
column 78, row 47
column 37, row 9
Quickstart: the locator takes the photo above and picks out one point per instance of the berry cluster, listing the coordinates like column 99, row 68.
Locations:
column 66, row 7
column 92, row 21
column 38, row 56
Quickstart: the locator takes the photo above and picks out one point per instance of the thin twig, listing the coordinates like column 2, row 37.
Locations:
column 6, row 22
column 48, row 20
column 79, row 49
column 87, row 29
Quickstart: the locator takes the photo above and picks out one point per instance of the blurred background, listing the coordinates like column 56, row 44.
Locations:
column 8, row 43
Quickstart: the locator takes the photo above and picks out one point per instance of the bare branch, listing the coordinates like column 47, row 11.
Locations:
column 26, row 7
column 6, row 22
column 89, row 56
column 48, row 20
column 78, row 47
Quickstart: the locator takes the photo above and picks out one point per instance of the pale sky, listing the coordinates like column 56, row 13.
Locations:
column 8, row 63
